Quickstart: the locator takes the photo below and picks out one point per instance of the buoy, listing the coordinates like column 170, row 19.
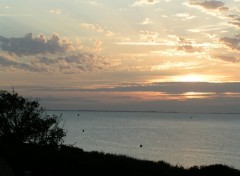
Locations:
column 141, row 145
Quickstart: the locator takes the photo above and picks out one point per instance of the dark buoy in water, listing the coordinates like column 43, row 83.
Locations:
column 78, row 114
column 141, row 146
column 83, row 131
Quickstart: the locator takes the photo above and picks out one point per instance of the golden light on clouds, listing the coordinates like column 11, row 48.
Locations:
column 192, row 78
column 202, row 78
column 198, row 95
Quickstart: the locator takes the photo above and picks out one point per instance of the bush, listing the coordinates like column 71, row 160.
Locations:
column 22, row 120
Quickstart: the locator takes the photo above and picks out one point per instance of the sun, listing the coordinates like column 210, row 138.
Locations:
column 191, row 78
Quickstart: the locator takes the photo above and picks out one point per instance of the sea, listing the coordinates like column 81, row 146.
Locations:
column 182, row 139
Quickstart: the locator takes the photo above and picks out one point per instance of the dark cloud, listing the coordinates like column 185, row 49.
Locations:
column 234, row 17
column 228, row 58
column 44, row 54
column 32, row 45
column 235, row 20
column 209, row 4
column 235, row 23
column 232, row 42
column 8, row 62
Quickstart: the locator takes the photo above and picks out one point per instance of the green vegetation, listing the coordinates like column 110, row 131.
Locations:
column 31, row 144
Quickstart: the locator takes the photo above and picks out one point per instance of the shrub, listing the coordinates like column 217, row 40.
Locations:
column 22, row 120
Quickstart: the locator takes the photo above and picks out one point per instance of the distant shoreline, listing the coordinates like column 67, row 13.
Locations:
column 160, row 112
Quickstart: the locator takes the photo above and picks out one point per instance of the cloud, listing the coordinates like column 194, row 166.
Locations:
column 144, row 2
column 180, row 97
column 6, row 61
column 146, row 21
column 149, row 36
column 53, row 54
column 32, row 45
column 65, row 64
column 185, row 16
column 97, row 28
column 94, row 27
column 186, row 45
column 56, row 11
column 212, row 5
column 72, row 63
column 171, row 88
column 232, row 42
column 208, row 28
column 228, row 58
column 235, row 20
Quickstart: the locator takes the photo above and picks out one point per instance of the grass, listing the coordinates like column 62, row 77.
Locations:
column 33, row 160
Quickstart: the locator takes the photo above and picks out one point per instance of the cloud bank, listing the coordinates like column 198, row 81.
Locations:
column 47, row 54
column 31, row 45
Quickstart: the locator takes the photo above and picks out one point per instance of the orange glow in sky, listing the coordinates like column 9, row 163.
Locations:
column 192, row 78
column 124, row 54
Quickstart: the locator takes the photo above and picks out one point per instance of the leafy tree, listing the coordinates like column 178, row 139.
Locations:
column 22, row 120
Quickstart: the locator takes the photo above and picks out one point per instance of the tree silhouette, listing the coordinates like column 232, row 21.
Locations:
column 22, row 120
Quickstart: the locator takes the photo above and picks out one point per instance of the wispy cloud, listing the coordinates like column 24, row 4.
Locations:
column 185, row 16
column 209, row 28
column 142, row 43
column 97, row 28
column 144, row 2
column 187, row 45
column 71, row 63
column 56, row 11
column 146, row 21
column 9, row 62
column 150, row 36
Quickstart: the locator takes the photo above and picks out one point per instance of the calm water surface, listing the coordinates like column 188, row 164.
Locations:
column 183, row 139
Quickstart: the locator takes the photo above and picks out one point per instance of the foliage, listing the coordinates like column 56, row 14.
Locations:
column 74, row 161
column 22, row 120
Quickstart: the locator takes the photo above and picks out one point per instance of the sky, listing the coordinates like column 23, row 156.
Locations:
column 133, row 55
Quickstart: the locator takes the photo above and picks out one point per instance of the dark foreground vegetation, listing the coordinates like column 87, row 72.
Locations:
column 31, row 144
column 28, row 159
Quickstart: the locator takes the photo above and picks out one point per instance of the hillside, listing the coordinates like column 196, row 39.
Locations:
column 38, row 161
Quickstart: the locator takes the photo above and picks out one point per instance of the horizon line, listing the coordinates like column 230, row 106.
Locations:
column 145, row 111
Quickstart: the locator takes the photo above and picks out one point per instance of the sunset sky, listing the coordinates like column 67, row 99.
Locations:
column 153, row 55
